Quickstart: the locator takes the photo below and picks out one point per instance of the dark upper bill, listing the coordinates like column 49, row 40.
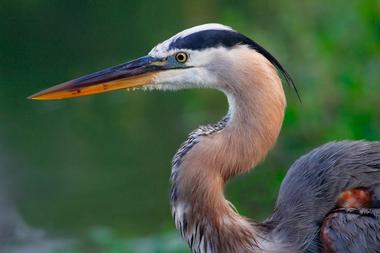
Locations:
column 136, row 73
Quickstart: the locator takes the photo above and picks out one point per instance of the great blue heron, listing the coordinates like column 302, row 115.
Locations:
column 329, row 198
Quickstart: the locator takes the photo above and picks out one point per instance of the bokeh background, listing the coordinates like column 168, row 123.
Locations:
column 91, row 174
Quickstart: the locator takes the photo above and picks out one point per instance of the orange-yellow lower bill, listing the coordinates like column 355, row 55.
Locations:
column 66, row 90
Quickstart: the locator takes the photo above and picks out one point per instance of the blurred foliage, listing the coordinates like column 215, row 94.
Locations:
column 104, row 160
column 103, row 240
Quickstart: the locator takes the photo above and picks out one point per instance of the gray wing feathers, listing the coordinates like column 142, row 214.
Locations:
column 352, row 231
column 312, row 184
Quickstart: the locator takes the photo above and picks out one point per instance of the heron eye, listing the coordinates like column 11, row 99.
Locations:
column 181, row 57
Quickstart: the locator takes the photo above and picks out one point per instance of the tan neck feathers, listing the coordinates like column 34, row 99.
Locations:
column 257, row 104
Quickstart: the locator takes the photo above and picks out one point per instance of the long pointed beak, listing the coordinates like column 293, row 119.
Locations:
column 132, row 74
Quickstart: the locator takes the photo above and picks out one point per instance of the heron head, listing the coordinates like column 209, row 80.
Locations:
column 201, row 56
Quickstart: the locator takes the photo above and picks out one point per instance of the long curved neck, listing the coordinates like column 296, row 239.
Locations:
column 213, row 154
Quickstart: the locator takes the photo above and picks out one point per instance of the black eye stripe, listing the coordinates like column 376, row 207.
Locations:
column 209, row 38
column 226, row 38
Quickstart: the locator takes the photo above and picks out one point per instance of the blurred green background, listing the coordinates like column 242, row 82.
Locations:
column 97, row 168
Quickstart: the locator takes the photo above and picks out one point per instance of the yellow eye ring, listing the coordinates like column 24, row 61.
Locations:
column 181, row 57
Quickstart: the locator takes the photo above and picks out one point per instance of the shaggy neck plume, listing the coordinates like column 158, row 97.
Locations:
column 213, row 154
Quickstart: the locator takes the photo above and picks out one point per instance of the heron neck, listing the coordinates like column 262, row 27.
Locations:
column 214, row 154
